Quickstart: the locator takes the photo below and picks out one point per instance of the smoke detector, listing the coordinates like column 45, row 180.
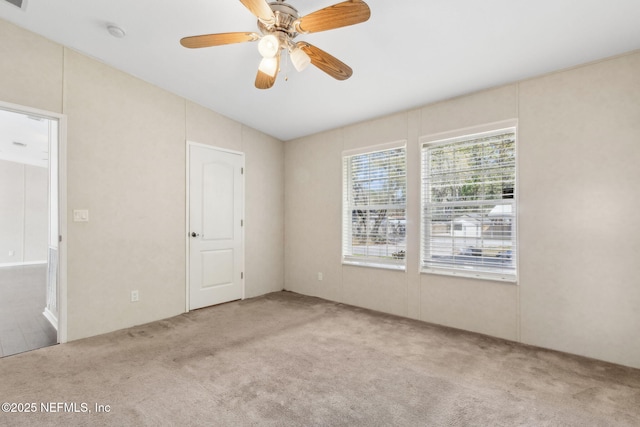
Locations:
column 116, row 31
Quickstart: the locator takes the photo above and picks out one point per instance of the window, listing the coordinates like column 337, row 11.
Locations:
column 374, row 208
column 469, row 205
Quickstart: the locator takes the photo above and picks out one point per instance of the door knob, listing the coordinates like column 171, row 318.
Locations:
column 194, row 234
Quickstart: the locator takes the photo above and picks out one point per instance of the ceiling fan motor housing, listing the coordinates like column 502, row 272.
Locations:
column 283, row 26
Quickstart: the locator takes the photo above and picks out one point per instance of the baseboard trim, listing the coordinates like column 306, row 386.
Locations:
column 22, row 264
column 50, row 317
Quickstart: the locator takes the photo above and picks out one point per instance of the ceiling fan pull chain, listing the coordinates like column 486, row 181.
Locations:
column 286, row 68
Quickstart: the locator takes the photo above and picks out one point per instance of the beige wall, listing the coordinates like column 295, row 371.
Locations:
column 24, row 215
column 126, row 163
column 578, row 154
column 30, row 69
column 578, row 157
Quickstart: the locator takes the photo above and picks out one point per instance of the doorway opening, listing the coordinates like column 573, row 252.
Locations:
column 30, row 229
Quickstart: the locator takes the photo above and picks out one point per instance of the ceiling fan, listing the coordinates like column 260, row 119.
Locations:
column 279, row 24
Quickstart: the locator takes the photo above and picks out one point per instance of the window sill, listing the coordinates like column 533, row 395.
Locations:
column 396, row 267
column 472, row 275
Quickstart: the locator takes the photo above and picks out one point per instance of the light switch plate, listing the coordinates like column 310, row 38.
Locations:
column 80, row 215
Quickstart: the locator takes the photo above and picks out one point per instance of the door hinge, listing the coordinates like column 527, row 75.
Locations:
column 241, row 171
column 242, row 223
column 242, row 275
column 60, row 238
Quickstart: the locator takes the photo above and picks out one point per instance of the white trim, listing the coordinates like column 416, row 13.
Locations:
column 449, row 137
column 375, row 148
column 62, row 206
column 22, row 109
column 50, row 317
column 225, row 150
column 62, row 230
column 483, row 275
column 188, row 145
column 244, row 220
column 371, row 264
column 22, row 264
column 188, row 226
column 489, row 127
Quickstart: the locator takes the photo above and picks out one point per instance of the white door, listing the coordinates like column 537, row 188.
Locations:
column 216, row 244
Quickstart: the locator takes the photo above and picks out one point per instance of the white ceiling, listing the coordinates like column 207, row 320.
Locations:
column 410, row 53
column 24, row 138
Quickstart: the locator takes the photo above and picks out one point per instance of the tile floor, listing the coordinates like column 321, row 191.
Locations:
column 23, row 327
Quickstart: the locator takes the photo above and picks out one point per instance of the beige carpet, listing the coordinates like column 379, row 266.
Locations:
column 285, row 359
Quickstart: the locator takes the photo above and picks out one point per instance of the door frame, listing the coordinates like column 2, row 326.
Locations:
column 187, row 232
column 61, row 288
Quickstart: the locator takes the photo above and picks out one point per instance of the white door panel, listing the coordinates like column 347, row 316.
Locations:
column 217, row 201
column 217, row 268
column 216, row 195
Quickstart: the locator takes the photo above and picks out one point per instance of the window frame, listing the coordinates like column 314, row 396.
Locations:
column 453, row 137
column 346, row 230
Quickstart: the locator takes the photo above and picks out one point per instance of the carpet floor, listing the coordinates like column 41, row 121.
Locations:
column 285, row 359
column 23, row 297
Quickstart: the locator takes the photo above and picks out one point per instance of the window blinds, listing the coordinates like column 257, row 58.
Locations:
column 374, row 207
column 468, row 205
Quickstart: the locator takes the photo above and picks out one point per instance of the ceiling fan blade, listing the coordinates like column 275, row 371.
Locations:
column 327, row 63
column 264, row 80
column 259, row 8
column 336, row 16
column 207, row 40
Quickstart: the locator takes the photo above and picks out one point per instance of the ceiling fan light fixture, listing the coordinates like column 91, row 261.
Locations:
column 299, row 59
column 269, row 66
column 269, row 46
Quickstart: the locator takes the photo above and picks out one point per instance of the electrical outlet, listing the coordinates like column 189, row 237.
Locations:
column 320, row 276
column 12, row 253
column 135, row 296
